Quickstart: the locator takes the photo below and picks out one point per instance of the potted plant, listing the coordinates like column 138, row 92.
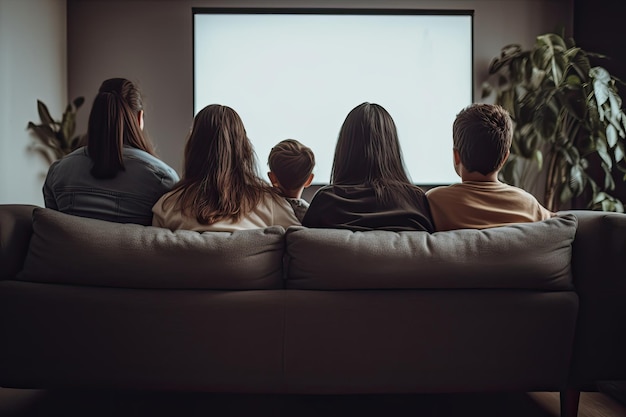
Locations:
column 56, row 138
column 569, row 123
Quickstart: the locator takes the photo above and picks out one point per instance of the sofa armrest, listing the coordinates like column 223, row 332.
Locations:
column 16, row 228
column 599, row 273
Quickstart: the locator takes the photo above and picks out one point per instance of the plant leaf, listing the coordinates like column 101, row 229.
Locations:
column 611, row 135
column 603, row 153
column 44, row 114
column 78, row 101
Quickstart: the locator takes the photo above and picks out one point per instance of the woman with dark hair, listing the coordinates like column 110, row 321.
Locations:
column 117, row 176
column 221, row 189
column 369, row 187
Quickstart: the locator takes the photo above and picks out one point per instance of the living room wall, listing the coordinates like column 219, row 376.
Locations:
column 33, row 65
column 150, row 42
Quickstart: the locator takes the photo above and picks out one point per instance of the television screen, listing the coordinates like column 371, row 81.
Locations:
column 297, row 73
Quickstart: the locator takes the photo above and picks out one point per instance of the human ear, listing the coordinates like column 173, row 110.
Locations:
column 140, row 119
column 508, row 153
column 457, row 161
column 273, row 179
column 308, row 182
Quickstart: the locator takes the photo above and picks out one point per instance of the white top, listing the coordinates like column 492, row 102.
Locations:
column 271, row 211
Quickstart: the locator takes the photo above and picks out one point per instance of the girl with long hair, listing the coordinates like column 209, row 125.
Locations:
column 221, row 189
column 369, row 187
column 117, row 176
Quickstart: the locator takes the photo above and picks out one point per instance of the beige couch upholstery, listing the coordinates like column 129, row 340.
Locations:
column 87, row 303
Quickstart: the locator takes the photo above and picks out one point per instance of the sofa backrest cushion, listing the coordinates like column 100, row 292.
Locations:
column 75, row 250
column 518, row 256
column 15, row 232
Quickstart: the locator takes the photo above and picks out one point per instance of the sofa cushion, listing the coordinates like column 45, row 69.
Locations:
column 518, row 256
column 15, row 231
column 75, row 250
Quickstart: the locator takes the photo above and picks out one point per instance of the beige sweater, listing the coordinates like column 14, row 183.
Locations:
column 270, row 212
column 479, row 205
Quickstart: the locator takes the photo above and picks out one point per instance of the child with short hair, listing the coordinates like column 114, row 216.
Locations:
column 291, row 171
column 482, row 135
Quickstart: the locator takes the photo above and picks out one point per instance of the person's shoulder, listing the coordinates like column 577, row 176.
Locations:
column 71, row 161
column 80, row 153
column 519, row 191
column 272, row 199
column 444, row 189
column 150, row 161
column 323, row 192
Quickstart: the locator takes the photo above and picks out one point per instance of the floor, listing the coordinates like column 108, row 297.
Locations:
column 36, row 403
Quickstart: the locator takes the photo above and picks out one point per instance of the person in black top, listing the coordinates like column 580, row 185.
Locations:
column 369, row 187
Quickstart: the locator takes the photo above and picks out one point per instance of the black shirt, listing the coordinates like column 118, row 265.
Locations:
column 355, row 207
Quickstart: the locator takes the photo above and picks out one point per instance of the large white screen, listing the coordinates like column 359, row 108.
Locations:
column 298, row 75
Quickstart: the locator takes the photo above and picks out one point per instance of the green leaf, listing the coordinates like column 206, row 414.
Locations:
column 43, row 132
column 577, row 179
column 78, row 101
column 44, row 114
column 564, row 107
column 603, row 153
column 68, row 125
column 539, row 159
column 611, row 135
column 54, row 136
column 619, row 152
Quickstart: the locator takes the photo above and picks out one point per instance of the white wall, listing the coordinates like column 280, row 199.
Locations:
column 150, row 42
column 33, row 65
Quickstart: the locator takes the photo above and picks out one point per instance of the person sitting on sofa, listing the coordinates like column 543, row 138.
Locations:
column 369, row 187
column 117, row 176
column 291, row 171
column 221, row 189
column 482, row 135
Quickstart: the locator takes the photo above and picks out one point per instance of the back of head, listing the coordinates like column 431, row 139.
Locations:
column 482, row 135
column 368, row 151
column 113, row 124
column 220, row 179
column 292, row 163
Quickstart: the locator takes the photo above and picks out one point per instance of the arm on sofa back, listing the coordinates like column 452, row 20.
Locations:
column 599, row 273
column 16, row 228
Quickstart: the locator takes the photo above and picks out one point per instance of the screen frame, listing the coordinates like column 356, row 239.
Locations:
column 337, row 11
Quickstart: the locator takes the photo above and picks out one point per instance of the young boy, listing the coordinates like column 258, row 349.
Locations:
column 291, row 171
column 482, row 135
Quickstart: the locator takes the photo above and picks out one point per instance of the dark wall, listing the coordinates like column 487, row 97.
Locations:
column 599, row 27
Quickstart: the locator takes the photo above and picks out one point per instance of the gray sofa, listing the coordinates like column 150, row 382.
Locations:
column 526, row 307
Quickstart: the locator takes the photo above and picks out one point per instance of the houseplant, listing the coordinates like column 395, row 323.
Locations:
column 56, row 138
column 569, row 124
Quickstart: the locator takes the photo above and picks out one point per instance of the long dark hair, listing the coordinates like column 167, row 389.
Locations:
column 113, row 123
column 220, row 179
column 368, row 152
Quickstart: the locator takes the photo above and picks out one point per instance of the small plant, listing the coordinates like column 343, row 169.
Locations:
column 56, row 138
column 569, row 122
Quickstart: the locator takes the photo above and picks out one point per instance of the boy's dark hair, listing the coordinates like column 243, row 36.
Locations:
column 292, row 163
column 482, row 134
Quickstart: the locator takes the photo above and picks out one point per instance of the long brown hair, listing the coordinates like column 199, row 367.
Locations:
column 368, row 152
column 220, row 179
column 113, row 123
